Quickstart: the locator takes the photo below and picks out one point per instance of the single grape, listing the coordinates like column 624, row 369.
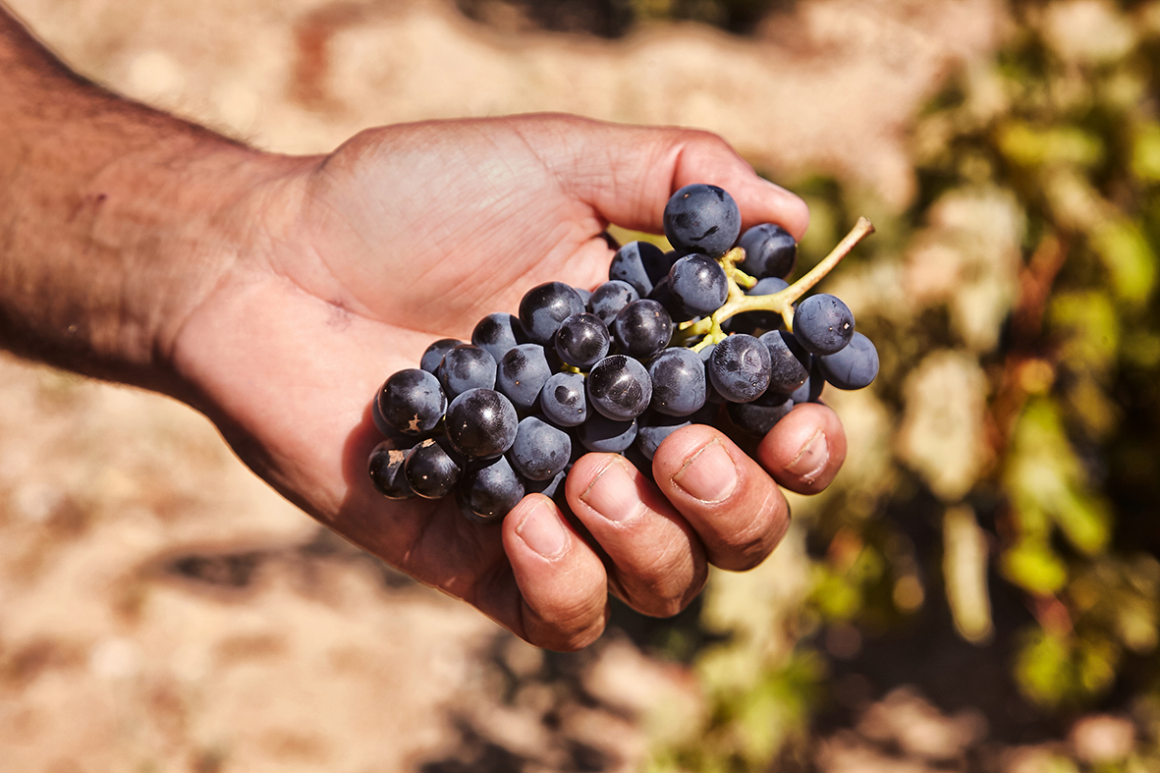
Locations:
column 467, row 366
column 411, row 401
column 653, row 428
column 385, row 466
column 522, row 373
column 582, row 340
column 811, row 390
column 545, row 306
column 488, row 492
column 640, row 264
column 739, row 368
column 604, row 435
column 541, row 451
column 770, row 285
column 619, row 388
column 823, row 324
column 481, row 423
column 564, row 399
column 854, row 367
column 642, row 329
column 609, row 298
column 377, row 417
column 702, row 218
column 699, row 284
column 760, row 416
column 498, row 333
column 770, row 251
column 789, row 363
column 434, row 353
column 431, row 470
column 678, row 381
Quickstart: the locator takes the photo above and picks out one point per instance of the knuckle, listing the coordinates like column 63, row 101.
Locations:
column 661, row 593
column 569, row 627
column 746, row 548
column 572, row 641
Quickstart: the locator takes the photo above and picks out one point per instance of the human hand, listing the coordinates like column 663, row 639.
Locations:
column 354, row 262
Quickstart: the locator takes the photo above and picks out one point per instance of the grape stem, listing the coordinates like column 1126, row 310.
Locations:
column 780, row 303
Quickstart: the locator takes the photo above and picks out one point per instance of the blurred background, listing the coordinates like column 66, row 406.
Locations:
column 979, row 589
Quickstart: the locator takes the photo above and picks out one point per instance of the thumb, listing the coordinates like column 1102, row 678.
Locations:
column 627, row 173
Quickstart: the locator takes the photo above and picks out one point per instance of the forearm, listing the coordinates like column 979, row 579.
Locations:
column 114, row 219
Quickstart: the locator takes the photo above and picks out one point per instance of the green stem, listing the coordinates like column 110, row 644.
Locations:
column 781, row 302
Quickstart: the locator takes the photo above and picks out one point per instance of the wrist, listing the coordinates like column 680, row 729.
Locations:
column 115, row 219
column 104, row 261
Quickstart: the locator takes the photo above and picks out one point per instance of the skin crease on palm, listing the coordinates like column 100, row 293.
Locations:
column 275, row 294
column 410, row 233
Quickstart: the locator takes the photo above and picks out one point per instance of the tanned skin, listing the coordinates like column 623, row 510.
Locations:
column 276, row 293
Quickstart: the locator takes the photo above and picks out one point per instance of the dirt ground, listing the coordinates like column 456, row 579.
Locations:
column 162, row 610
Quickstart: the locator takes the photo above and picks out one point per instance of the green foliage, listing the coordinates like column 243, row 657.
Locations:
column 1015, row 310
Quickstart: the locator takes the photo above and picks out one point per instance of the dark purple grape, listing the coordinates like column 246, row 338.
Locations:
column 811, row 390
column 609, row 298
column 789, row 363
column 522, row 373
column 411, row 401
column 642, row 329
column 678, row 381
column 702, row 218
column 582, row 340
column 764, row 319
column 386, row 469
column 770, row 251
column 481, row 423
column 541, row 451
column 640, row 264
column 662, row 295
column 739, row 368
column 488, row 492
column 434, row 353
column 467, row 366
column 760, row 416
column 604, row 435
column 699, row 284
column 553, row 488
column 431, row 469
column 823, row 324
column 653, row 428
column 619, row 388
column 377, row 417
column 545, row 306
column 711, row 394
column 564, row 399
column 854, row 367
column 497, row 333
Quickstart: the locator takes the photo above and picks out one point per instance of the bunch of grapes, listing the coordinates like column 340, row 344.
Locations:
column 710, row 333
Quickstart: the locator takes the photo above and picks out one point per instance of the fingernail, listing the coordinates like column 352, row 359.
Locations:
column 542, row 531
column 812, row 459
column 613, row 494
column 710, row 476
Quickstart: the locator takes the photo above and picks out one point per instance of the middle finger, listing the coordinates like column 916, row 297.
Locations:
column 657, row 562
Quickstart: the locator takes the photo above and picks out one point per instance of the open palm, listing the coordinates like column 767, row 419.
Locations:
column 356, row 261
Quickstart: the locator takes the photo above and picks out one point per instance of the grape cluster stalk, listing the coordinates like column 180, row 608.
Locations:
column 711, row 332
